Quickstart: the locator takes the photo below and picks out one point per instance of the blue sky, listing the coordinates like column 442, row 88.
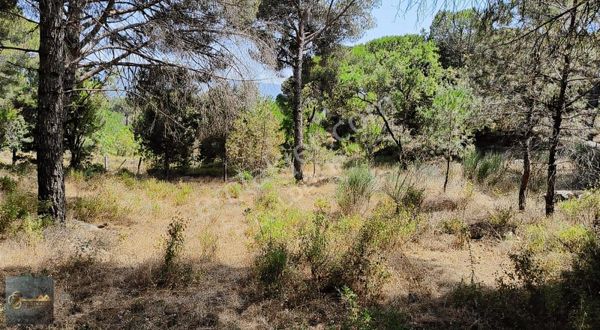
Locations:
column 393, row 18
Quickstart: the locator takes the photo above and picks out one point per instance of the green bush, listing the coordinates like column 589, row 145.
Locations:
column 172, row 272
column 8, row 184
column 254, row 144
column 355, row 189
column 17, row 205
column 102, row 207
column 401, row 187
column 234, row 190
column 483, row 168
column 470, row 163
column 489, row 166
column 324, row 251
column 271, row 263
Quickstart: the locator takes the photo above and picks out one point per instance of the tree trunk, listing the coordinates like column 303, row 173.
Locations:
column 297, row 107
column 138, row 167
column 448, row 159
column 554, row 140
column 526, row 172
column 526, row 144
column 50, row 122
column 558, row 109
column 167, row 166
column 225, row 159
column 14, row 156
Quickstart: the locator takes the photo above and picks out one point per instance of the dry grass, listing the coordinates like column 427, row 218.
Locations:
column 104, row 276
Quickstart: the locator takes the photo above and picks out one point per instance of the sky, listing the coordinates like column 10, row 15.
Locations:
column 391, row 18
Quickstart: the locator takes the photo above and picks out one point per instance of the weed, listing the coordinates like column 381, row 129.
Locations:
column 102, row 207
column 357, row 317
column 208, row 245
column 575, row 238
column 271, row 263
column 7, row 184
column 401, row 188
column 234, row 190
column 17, row 205
column 355, row 189
column 183, row 193
column 172, row 272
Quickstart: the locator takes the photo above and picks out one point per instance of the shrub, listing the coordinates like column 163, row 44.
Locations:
column 182, row 194
column 357, row 317
column 575, row 238
column 234, row 190
column 586, row 159
column 271, row 263
column 483, row 168
column 401, row 187
column 470, row 163
column 453, row 226
column 17, row 205
column 582, row 210
column 254, row 144
column 326, row 252
column 355, row 189
column 171, row 271
column 8, row 184
column 268, row 196
column 489, row 166
column 104, row 207
column 244, row 177
column 208, row 245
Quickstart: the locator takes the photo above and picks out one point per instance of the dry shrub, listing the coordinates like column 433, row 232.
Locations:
column 321, row 252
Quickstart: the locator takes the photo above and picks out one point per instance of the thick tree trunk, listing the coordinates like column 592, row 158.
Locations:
column 557, row 113
column 448, row 159
column 297, row 108
column 50, row 122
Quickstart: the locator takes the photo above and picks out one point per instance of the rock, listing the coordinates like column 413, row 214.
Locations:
column 563, row 195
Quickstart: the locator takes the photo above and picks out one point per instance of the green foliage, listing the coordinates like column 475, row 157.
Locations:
column 325, row 251
column 8, row 184
column 358, row 318
column 450, row 120
column 103, row 207
column 234, row 190
column 317, row 138
column 114, row 137
column 167, row 122
column 487, row 168
column 16, row 206
column 14, row 129
column 172, row 272
column 271, row 263
column 453, row 226
column 454, row 33
column 401, row 187
column 254, row 143
column 584, row 209
column 82, row 122
column 355, row 189
column 390, row 76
